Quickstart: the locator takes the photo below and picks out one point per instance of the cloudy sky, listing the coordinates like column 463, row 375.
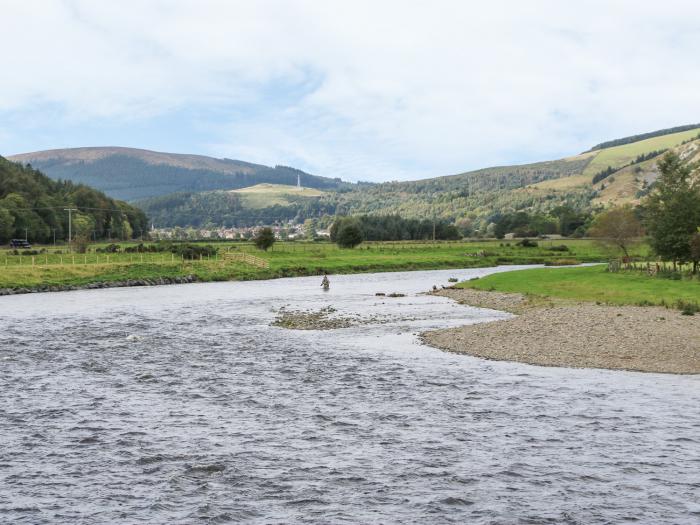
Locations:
column 364, row 90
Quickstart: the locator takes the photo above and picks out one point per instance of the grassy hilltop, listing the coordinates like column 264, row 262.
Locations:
column 265, row 195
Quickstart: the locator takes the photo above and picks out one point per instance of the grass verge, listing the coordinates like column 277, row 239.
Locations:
column 591, row 284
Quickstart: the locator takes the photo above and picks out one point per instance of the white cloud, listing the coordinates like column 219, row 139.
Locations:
column 360, row 89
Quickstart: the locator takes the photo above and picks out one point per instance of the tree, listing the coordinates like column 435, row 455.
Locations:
column 348, row 235
column 264, row 239
column 617, row 227
column 83, row 226
column 672, row 212
column 695, row 250
column 6, row 225
column 310, row 229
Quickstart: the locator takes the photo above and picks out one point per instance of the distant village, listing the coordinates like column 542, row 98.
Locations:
column 283, row 232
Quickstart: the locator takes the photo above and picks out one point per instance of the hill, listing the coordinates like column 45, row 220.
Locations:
column 132, row 174
column 613, row 175
column 623, row 172
column 34, row 205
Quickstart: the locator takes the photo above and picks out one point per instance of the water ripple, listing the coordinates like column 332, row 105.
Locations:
column 181, row 404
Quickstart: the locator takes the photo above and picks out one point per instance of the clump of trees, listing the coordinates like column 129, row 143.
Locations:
column 672, row 212
column 396, row 228
column 565, row 220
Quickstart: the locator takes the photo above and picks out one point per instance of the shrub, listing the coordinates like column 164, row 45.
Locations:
column 349, row 235
column 193, row 251
column 562, row 262
column 687, row 307
column 110, row 248
column 264, row 239
column 527, row 243
column 560, row 248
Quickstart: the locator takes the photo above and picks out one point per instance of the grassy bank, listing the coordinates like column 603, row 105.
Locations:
column 591, row 284
column 52, row 268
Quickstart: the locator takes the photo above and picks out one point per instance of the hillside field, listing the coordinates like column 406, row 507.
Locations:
column 265, row 195
column 620, row 155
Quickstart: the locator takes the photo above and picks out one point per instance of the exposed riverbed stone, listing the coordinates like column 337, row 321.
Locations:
column 647, row 339
column 507, row 302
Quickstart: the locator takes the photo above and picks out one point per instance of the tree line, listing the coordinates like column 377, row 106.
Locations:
column 351, row 231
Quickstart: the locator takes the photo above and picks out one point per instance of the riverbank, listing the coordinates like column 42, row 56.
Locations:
column 562, row 331
column 48, row 271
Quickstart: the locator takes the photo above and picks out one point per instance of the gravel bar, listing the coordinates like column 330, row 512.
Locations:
column 645, row 339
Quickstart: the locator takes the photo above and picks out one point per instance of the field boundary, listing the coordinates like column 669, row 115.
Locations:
column 247, row 259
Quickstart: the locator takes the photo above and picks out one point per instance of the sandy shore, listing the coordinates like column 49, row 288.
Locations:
column 646, row 339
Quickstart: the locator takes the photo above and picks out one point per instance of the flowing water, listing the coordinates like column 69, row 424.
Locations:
column 181, row 404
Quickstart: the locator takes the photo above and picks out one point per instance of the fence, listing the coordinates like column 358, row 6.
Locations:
column 44, row 260
column 247, row 259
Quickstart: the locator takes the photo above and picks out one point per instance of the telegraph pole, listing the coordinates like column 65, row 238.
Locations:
column 70, row 225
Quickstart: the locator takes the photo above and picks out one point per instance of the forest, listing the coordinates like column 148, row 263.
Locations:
column 33, row 206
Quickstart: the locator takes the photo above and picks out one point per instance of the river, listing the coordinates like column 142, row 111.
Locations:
column 181, row 404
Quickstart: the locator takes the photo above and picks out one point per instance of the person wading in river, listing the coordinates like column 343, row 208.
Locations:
column 325, row 283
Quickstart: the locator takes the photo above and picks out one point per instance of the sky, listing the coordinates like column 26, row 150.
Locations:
column 363, row 90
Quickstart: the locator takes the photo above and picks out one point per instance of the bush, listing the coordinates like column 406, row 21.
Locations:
column 562, row 262
column 687, row 307
column 110, row 248
column 264, row 239
column 560, row 248
column 527, row 243
column 349, row 235
column 193, row 251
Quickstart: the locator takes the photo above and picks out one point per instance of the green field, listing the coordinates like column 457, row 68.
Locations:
column 265, row 195
column 285, row 260
column 591, row 284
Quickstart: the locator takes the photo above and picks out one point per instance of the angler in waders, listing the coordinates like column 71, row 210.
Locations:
column 325, row 283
